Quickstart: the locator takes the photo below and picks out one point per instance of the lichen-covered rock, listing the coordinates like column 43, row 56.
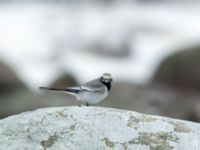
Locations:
column 93, row 128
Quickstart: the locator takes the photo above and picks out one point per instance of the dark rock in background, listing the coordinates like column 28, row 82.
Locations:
column 9, row 82
column 172, row 102
column 11, row 88
column 197, row 112
column 23, row 100
column 180, row 72
column 125, row 95
column 153, row 99
column 181, row 69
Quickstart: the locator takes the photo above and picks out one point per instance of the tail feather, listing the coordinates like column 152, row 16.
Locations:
column 69, row 90
column 72, row 90
column 51, row 88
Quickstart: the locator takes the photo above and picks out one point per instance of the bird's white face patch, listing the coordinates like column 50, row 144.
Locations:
column 107, row 77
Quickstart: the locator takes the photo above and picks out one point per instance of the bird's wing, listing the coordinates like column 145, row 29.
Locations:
column 92, row 86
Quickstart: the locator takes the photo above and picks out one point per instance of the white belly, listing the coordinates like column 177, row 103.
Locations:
column 92, row 97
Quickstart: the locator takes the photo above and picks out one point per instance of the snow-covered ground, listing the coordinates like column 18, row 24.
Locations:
column 41, row 40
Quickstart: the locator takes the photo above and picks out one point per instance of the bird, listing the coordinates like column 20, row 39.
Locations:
column 89, row 93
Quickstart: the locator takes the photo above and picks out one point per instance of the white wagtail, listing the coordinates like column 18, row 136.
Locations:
column 90, row 92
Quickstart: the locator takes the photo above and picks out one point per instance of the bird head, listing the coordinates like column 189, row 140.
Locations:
column 106, row 78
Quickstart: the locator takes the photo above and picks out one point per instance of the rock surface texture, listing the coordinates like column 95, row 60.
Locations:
column 94, row 128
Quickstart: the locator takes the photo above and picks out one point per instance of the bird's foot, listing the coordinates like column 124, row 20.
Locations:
column 87, row 104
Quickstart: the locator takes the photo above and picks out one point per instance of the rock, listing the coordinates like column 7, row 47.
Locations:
column 179, row 72
column 167, row 101
column 181, row 69
column 197, row 112
column 92, row 128
column 125, row 95
column 9, row 81
column 153, row 99
column 10, row 86
column 13, row 102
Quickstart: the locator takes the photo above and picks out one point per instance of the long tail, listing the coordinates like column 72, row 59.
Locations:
column 51, row 88
column 68, row 90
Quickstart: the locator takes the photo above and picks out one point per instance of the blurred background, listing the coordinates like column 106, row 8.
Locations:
column 151, row 47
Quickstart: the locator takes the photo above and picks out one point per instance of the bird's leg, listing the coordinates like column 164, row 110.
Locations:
column 87, row 104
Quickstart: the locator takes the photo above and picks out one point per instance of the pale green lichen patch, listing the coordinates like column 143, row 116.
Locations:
column 125, row 145
column 133, row 121
column 155, row 141
column 49, row 142
column 62, row 113
column 146, row 118
column 108, row 142
column 180, row 127
column 73, row 127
